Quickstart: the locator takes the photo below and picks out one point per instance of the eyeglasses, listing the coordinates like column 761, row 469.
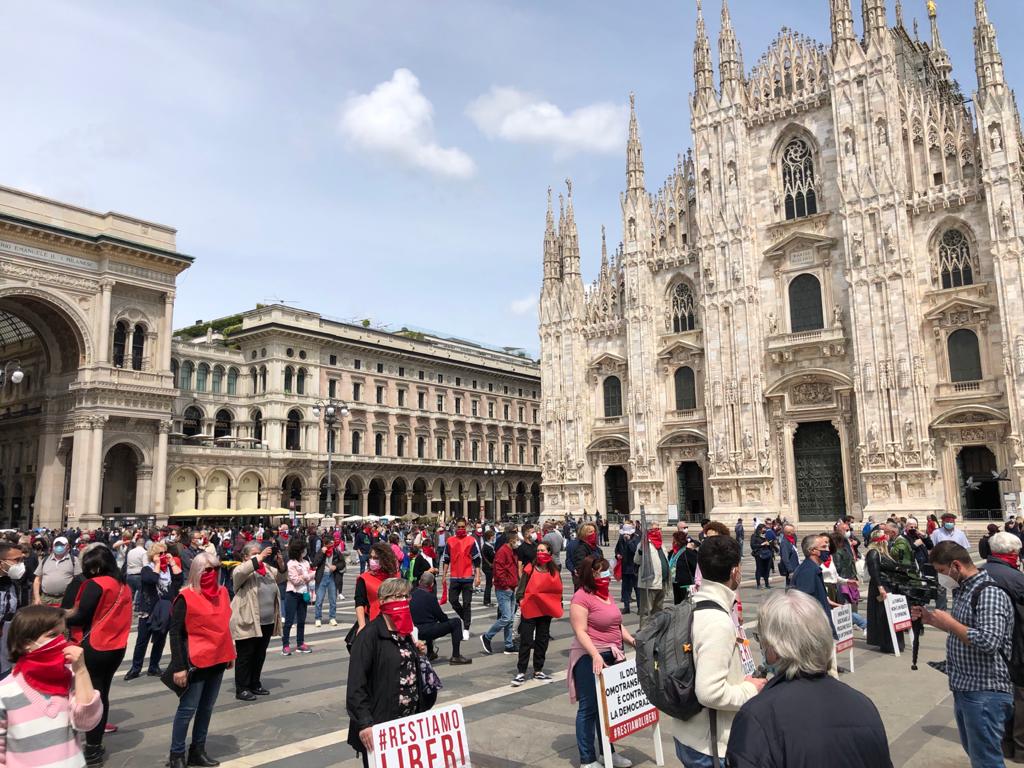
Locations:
column 210, row 568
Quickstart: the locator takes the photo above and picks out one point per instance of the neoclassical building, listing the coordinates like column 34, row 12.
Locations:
column 821, row 311
column 86, row 393
column 433, row 424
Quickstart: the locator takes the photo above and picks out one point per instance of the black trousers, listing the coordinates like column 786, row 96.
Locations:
column 251, row 653
column 430, row 632
column 142, row 640
column 763, row 569
column 488, row 585
column 102, row 666
column 460, row 595
column 534, row 634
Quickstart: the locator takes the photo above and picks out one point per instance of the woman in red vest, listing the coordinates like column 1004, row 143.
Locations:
column 540, row 601
column 201, row 649
column 103, row 616
column 381, row 565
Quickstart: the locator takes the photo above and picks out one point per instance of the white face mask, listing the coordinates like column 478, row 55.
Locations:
column 16, row 571
column 948, row 582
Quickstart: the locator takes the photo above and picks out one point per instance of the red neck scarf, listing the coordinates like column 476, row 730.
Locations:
column 655, row 538
column 262, row 569
column 209, row 585
column 602, row 587
column 1012, row 559
column 791, row 539
column 44, row 668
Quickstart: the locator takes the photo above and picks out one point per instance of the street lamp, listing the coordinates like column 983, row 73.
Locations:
column 494, row 472
column 331, row 410
column 16, row 376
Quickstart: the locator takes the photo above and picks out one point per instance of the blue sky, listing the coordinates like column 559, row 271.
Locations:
column 362, row 159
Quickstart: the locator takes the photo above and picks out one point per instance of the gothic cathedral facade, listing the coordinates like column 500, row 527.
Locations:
column 821, row 311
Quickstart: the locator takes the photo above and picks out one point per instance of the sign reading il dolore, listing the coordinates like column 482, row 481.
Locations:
column 433, row 739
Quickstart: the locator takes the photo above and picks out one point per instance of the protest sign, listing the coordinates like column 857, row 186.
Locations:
column 433, row 739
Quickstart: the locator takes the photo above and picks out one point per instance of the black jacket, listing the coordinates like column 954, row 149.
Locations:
column 1007, row 577
column 626, row 549
column 425, row 609
column 371, row 696
column 149, row 596
column 320, row 565
column 808, row 722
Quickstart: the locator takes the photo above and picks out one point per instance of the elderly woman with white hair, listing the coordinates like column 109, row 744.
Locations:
column 1003, row 566
column 803, row 714
column 201, row 649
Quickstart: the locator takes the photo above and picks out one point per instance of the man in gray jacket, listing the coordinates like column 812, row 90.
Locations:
column 653, row 573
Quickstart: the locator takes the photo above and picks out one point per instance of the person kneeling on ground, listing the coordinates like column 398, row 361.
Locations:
column 432, row 622
column 803, row 713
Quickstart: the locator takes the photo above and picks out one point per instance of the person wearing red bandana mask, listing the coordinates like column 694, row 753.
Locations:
column 579, row 549
column 201, row 649
column 51, row 677
column 461, row 559
column 383, row 669
column 329, row 567
column 789, row 557
column 255, row 617
column 598, row 638
column 540, row 601
column 652, row 573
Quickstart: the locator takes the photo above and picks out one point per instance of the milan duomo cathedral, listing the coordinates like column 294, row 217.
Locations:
column 821, row 311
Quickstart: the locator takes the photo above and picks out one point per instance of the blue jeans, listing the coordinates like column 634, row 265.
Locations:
column 295, row 615
column 282, row 587
column 859, row 621
column 197, row 701
column 506, row 612
column 326, row 588
column 363, row 560
column 588, row 720
column 981, row 718
column 691, row 758
column 135, row 583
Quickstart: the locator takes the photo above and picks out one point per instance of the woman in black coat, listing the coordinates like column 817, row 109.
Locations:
column 764, row 556
column 384, row 681
column 877, row 561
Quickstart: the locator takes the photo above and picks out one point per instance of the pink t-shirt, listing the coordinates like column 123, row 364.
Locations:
column 604, row 628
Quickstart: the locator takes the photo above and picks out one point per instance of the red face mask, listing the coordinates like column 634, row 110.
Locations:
column 209, row 584
column 543, row 558
column 461, row 533
column 591, row 539
column 398, row 612
column 655, row 538
column 329, row 550
column 165, row 562
column 602, row 586
column 45, row 670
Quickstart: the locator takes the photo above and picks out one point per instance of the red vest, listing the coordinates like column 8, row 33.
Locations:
column 209, row 636
column 112, row 620
column 460, row 557
column 543, row 595
column 372, row 584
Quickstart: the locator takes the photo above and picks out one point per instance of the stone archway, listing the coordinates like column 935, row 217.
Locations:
column 120, row 480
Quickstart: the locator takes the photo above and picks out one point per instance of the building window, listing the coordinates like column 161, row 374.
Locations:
column 440, row 378
column 440, row 403
column 293, row 431
column 520, row 391
column 421, row 375
column 440, row 448
column 257, row 426
column 222, row 423
column 536, row 454
column 332, row 388
column 474, row 407
column 357, row 442
column 192, row 421
column 458, row 381
column 506, row 452
column 490, row 452
column 185, row 376
column 490, row 410
column 202, row 374
column 357, row 364
column 505, row 390
column 401, row 370
column 536, row 415
column 300, row 382
column 505, row 410
column 232, row 381
column 401, row 398
column 522, row 454
column 798, row 180
column 357, row 389
column 474, row 383
column 332, row 359
column 120, row 340
column 138, row 347
column 400, row 445
column 474, row 448
column 421, row 400
column 378, row 444
column 612, row 397
column 458, row 405
column 805, row 312
column 217, row 380
column 490, row 386
column 458, row 449
column 289, row 374
column 964, row 356
column 421, row 447
column 955, row 263
column 380, row 367
column 331, row 440
column 684, row 317
column 686, row 391
column 263, row 378
column 380, row 395
column 522, row 413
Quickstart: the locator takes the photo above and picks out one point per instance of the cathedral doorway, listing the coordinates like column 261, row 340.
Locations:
column 119, row 481
column 980, row 497
column 690, row 484
column 818, row 460
column 616, row 491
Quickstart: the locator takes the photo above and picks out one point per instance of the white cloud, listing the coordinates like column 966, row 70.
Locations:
column 396, row 119
column 524, row 305
column 513, row 115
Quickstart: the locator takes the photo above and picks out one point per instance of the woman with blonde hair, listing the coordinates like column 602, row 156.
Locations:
column 877, row 561
column 579, row 549
column 201, row 649
column 160, row 578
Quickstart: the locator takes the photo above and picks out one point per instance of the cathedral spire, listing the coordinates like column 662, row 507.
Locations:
column 730, row 57
column 899, row 14
column 987, row 60
column 570, row 240
column 876, row 25
column 552, row 264
column 939, row 56
column 703, row 72
column 634, row 152
column 842, row 24
column 604, row 254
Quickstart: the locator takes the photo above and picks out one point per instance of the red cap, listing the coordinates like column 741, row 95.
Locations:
column 948, row 516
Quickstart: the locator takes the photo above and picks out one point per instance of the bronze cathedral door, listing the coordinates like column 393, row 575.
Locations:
column 818, row 461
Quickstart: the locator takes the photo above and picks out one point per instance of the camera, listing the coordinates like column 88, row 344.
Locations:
column 919, row 588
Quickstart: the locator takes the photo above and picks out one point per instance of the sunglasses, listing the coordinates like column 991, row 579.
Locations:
column 210, row 568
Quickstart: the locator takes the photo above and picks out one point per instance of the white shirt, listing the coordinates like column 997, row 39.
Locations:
column 956, row 535
column 136, row 560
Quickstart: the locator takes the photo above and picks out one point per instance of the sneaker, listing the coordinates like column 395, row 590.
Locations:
column 465, row 635
column 333, row 622
column 317, row 624
column 594, row 764
column 304, row 649
column 341, row 596
column 541, row 676
column 286, row 651
column 510, row 652
column 518, row 680
column 621, row 762
column 486, row 644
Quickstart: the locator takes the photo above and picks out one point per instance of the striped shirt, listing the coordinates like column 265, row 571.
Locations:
column 39, row 731
column 981, row 666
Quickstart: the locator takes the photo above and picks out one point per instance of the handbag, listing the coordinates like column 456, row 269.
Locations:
column 167, row 678
column 617, row 571
column 429, row 680
column 852, row 592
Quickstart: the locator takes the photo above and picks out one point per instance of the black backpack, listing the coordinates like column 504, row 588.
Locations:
column 1014, row 664
column 664, row 659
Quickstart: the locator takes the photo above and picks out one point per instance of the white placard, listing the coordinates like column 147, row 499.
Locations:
column 897, row 609
column 842, row 618
column 625, row 709
column 433, row 738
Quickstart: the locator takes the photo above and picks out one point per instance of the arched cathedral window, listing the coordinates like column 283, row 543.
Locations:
column 798, row 180
column 612, row 397
column 686, row 391
column 683, row 315
column 964, row 356
column 805, row 311
column 955, row 261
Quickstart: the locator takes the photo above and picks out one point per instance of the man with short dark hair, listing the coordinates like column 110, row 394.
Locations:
column 980, row 628
column 462, row 559
column 808, row 577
